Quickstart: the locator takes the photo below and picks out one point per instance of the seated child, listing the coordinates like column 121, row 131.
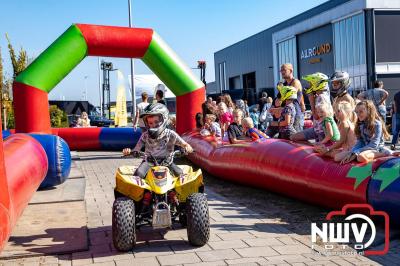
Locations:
column 240, row 104
column 255, row 115
column 286, row 120
column 199, row 120
column 344, row 115
column 318, row 93
column 265, row 115
column 276, row 114
column 159, row 142
column 370, row 132
column 331, row 131
column 212, row 126
column 235, row 129
column 250, row 130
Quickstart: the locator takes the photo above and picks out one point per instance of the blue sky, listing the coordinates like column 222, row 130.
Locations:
column 194, row 30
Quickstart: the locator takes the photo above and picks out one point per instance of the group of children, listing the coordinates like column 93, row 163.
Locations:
column 343, row 129
column 234, row 122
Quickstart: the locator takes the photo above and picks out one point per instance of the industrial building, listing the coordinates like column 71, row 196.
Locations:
column 357, row 36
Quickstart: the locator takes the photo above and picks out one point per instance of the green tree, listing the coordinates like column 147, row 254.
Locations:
column 10, row 117
column 19, row 63
column 58, row 118
column 1, row 82
column 6, row 110
column 1, row 71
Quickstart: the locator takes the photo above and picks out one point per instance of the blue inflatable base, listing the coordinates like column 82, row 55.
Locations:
column 116, row 139
column 59, row 159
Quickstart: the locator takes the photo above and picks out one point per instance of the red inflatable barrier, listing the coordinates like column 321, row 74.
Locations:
column 25, row 168
column 280, row 166
column 5, row 227
column 80, row 138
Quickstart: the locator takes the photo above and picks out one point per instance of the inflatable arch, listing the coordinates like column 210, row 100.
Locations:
column 32, row 86
column 30, row 91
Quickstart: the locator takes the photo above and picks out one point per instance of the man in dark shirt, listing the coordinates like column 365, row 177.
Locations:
column 396, row 112
column 235, row 130
column 263, row 100
column 160, row 97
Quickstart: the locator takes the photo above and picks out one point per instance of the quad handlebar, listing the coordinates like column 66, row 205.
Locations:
column 157, row 160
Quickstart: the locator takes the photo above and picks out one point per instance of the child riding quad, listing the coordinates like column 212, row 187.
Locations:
column 158, row 191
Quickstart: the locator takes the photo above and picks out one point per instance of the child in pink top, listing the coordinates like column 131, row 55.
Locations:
column 225, row 117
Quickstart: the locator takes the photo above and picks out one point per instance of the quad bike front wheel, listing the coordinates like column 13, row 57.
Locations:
column 198, row 220
column 123, row 224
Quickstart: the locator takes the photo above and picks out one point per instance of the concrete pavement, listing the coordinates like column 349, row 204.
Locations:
column 239, row 235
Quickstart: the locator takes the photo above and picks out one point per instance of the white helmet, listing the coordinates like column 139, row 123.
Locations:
column 156, row 109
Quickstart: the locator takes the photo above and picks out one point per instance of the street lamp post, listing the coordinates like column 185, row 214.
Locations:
column 106, row 67
column 86, row 98
column 4, row 98
column 132, row 71
column 101, row 102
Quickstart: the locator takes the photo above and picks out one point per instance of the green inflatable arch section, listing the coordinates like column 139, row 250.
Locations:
column 79, row 40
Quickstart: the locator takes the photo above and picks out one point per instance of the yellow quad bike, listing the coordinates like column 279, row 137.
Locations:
column 158, row 200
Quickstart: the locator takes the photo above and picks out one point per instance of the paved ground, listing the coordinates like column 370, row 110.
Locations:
column 249, row 227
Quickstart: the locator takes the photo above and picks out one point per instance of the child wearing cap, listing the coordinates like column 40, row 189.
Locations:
column 286, row 120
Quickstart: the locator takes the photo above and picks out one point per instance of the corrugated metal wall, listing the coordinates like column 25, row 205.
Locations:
column 253, row 54
column 256, row 52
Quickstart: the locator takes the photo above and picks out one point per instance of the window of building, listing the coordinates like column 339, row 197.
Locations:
column 222, row 76
column 287, row 54
column 234, row 83
column 249, row 87
column 349, row 49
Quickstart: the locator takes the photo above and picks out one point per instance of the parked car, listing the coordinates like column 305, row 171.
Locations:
column 72, row 120
column 99, row 121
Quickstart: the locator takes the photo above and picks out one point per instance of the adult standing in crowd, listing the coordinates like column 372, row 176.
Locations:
column 160, row 97
column 378, row 96
column 289, row 80
column 396, row 112
column 340, row 84
column 140, row 110
column 263, row 100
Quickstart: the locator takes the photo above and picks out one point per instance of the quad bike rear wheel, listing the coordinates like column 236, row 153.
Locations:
column 198, row 220
column 123, row 224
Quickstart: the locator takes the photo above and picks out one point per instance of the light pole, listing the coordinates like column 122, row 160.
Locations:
column 4, row 99
column 132, row 71
column 101, row 102
column 106, row 67
column 86, row 87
